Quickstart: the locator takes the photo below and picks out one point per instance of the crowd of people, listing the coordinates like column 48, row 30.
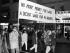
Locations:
column 13, row 40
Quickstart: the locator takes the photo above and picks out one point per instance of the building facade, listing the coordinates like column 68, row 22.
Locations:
column 9, row 10
column 56, row 4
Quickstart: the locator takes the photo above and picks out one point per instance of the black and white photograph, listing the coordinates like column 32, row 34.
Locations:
column 34, row 26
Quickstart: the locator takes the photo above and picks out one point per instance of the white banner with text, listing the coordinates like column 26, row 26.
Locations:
column 32, row 11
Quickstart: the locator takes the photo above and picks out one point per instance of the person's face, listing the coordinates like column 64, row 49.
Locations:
column 24, row 31
column 6, row 29
column 14, row 29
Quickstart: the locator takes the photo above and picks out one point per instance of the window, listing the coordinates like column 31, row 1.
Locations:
column 5, row 15
column 67, row 31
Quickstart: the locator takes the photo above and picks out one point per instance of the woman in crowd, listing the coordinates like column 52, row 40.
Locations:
column 41, row 44
column 47, row 40
column 24, row 38
column 34, row 40
column 14, row 41
column 4, row 40
column 53, row 41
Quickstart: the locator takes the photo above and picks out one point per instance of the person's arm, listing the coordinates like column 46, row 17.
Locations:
column 20, row 40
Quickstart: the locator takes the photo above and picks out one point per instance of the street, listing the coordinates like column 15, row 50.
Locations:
column 62, row 48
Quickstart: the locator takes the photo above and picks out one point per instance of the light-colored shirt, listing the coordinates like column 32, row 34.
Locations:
column 24, row 37
column 13, row 36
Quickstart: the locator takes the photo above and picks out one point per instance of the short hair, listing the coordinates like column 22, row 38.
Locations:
column 14, row 27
